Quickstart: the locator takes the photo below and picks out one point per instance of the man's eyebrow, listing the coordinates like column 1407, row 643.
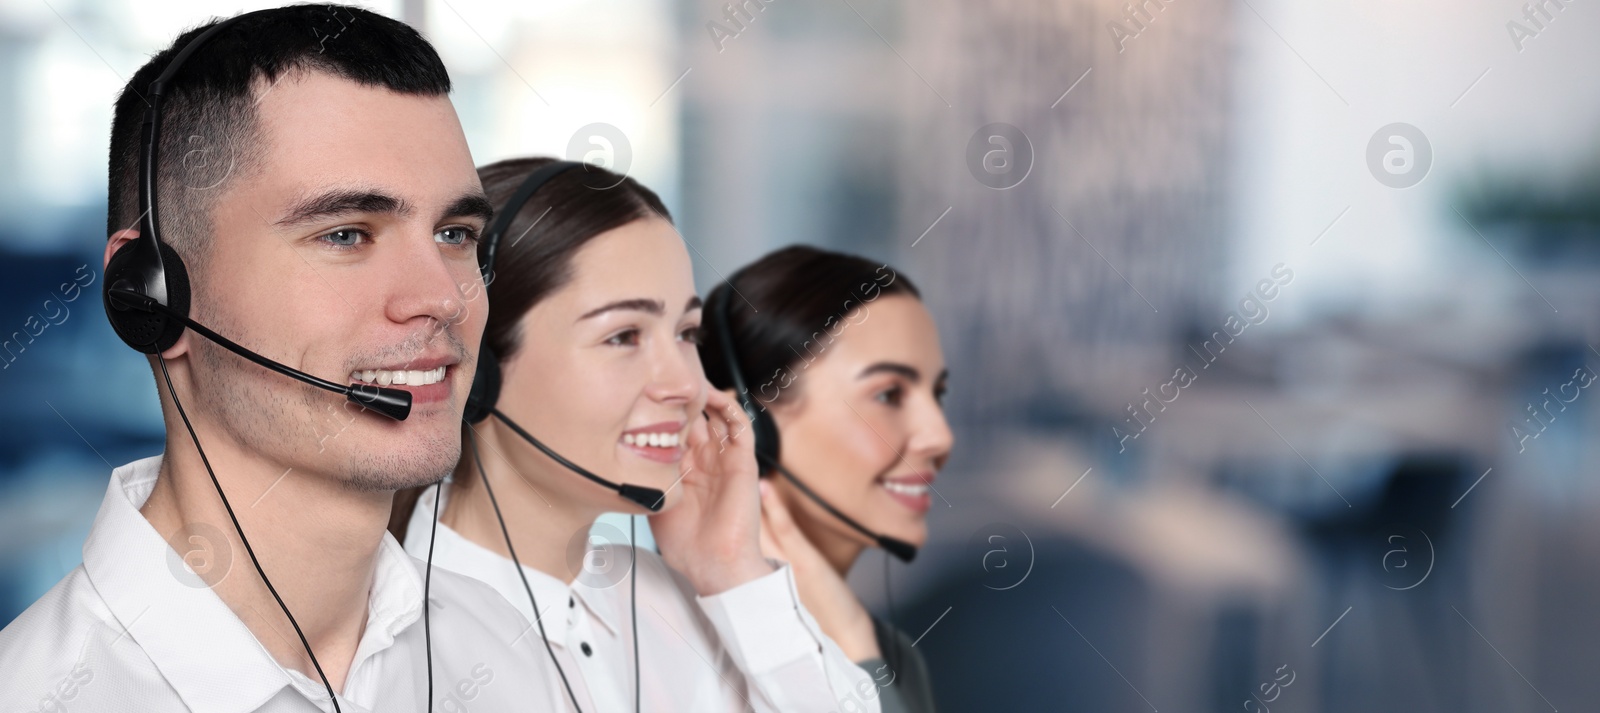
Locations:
column 654, row 307
column 471, row 205
column 343, row 202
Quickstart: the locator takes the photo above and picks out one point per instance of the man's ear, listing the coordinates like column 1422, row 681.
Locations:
column 115, row 243
column 117, row 240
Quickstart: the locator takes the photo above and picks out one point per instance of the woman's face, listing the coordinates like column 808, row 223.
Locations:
column 607, row 372
column 864, row 427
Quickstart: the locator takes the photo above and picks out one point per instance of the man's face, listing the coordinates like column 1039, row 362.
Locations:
column 349, row 252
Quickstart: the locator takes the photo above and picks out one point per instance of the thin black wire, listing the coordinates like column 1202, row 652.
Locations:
column 427, row 581
column 192, row 436
column 893, row 653
column 537, row 618
column 633, row 605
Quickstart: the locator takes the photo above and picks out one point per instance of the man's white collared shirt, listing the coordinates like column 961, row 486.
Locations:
column 753, row 647
column 128, row 630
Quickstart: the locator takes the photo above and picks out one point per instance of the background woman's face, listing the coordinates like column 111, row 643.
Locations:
column 607, row 373
column 864, row 426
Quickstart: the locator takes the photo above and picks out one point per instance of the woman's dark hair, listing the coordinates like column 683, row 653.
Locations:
column 788, row 304
column 534, row 258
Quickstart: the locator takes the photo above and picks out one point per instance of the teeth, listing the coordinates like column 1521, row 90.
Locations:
column 405, row 377
column 905, row 488
column 653, row 440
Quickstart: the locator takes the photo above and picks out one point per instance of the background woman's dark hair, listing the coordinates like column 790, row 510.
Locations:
column 797, row 293
column 534, row 258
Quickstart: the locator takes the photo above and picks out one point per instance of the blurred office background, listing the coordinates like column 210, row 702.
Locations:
column 1270, row 324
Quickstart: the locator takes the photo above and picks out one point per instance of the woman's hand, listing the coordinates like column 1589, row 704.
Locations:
column 822, row 589
column 712, row 537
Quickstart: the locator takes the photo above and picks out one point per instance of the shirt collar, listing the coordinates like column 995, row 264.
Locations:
column 211, row 659
column 458, row 554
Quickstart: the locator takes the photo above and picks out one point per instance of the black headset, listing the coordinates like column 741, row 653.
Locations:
column 481, row 400
column 765, row 428
column 146, row 296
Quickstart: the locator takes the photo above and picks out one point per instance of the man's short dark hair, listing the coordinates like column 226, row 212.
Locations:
column 209, row 126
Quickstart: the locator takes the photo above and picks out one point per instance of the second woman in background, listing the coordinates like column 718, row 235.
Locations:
column 840, row 362
column 593, row 320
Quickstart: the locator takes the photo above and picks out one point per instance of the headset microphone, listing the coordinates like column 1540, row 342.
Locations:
column 486, row 381
column 394, row 403
column 902, row 550
column 650, row 498
column 767, row 437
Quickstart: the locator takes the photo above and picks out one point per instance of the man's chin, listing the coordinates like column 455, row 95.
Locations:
column 399, row 471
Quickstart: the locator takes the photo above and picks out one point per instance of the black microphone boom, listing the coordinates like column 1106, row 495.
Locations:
column 650, row 498
column 394, row 403
column 902, row 550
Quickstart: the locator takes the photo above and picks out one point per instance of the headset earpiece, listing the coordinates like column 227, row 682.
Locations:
column 485, row 390
column 134, row 267
column 765, row 429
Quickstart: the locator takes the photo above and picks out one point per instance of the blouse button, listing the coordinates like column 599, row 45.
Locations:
column 586, row 650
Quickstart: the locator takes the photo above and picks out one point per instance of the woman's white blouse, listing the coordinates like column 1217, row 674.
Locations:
column 752, row 647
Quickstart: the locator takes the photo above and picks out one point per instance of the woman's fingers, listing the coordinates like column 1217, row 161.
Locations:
column 769, row 544
column 720, row 407
column 776, row 516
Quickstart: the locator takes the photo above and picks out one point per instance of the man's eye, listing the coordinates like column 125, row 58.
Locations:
column 627, row 337
column 456, row 236
column 344, row 238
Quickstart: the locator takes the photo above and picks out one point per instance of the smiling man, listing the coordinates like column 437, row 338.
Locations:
column 314, row 179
